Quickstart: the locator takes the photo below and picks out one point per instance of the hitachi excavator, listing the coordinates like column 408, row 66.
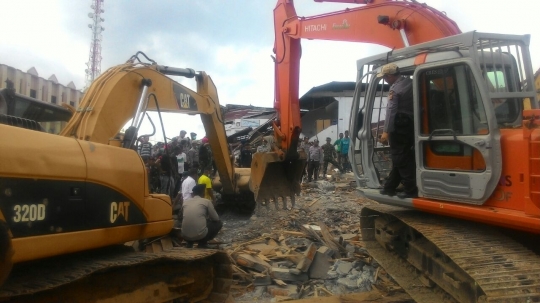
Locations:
column 69, row 202
column 473, row 231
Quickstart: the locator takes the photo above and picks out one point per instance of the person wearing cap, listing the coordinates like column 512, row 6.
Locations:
column 329, row 156
column 398, row 131
column 200, row 221
column 193, row 136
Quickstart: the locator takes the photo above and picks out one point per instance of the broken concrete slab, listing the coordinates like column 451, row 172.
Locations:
column 262, row 281
column 309, row 254
column 326, row 251
column 285, row 275
column 348, row 283
column 343, row 267
column 320, row 266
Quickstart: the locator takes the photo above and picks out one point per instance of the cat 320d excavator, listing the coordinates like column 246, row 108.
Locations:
column 474, row 227
column 68, row 200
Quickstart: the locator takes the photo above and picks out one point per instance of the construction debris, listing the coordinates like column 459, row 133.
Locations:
column 313, row 250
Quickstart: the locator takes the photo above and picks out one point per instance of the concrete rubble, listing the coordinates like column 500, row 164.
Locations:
column 312, row 250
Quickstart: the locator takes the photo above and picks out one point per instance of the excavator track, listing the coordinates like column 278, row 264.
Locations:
column 120, row 274
column 472, row 262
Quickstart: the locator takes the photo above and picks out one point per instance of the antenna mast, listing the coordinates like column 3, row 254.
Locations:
column 94, row 61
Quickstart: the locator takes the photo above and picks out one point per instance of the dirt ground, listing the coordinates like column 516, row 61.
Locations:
column 334, row 205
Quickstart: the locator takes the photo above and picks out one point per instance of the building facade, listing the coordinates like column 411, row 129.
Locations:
column 30, row 84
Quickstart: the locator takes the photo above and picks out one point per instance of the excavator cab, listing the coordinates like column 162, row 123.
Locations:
column 465, row 99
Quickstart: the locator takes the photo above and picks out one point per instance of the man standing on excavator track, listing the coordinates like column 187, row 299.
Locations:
column 399, row 133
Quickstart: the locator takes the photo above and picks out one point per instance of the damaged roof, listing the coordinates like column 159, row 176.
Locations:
column 323, row 95
column 233, row 112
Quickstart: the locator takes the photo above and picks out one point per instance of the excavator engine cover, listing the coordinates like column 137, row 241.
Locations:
column 272, row 178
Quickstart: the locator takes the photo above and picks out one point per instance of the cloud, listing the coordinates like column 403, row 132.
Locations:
column 231, row 40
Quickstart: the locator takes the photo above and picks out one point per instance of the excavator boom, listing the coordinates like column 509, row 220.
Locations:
column 126, row 91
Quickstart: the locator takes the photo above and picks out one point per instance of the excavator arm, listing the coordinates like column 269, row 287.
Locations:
column 394, row 24
column 127, row 91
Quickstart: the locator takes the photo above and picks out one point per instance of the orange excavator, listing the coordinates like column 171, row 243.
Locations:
column 279, row 171
column 476, row 219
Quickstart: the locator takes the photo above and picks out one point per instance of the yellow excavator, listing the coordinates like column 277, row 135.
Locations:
column 69, row 202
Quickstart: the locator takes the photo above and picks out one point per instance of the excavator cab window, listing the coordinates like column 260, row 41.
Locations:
column 451, row 106
column 499, row 81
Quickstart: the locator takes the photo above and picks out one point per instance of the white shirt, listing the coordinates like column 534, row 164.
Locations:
column 187, row 187
column 181, row 159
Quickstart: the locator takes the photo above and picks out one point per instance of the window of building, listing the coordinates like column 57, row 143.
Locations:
column 71, row 103
column 33, row 93
column 53, row 99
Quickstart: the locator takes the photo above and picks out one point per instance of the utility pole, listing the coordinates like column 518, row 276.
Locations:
column 94, row 61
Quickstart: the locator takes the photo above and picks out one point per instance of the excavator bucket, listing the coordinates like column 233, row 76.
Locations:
column 272, row 178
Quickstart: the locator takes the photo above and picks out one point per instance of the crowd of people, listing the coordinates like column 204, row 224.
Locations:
column 182, row 168
column 336, row 153
column 168, row 163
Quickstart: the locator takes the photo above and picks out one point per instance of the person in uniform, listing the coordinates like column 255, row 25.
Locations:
column 329, row 156
column 399, row 133
column 315, row 157
column 200, row 221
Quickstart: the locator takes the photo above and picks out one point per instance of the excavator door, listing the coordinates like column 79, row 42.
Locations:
column 458, row 153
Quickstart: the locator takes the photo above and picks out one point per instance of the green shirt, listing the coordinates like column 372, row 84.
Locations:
column 338, row 143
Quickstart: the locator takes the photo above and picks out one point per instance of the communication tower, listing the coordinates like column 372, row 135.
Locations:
column 94, row 61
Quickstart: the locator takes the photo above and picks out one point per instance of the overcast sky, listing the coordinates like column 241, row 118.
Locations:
column 231, row 40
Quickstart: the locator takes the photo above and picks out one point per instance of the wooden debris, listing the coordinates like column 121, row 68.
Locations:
column 253, row 262
column 313, row 202
column 329, row 239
